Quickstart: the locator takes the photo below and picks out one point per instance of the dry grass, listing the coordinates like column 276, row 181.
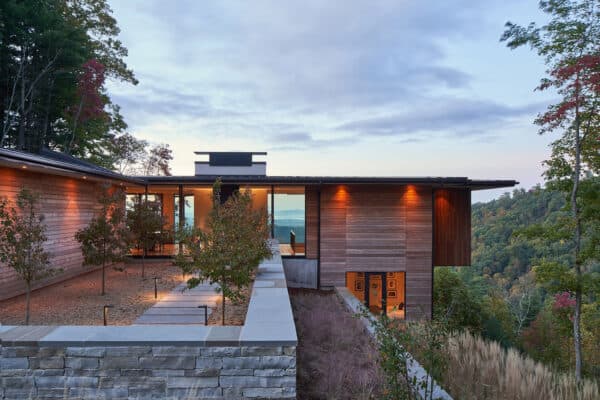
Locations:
column 336, row 357
column 77, row 301
column 479, row 369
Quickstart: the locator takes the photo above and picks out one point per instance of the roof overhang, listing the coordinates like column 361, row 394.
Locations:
column 36, row 163
column 438, row 182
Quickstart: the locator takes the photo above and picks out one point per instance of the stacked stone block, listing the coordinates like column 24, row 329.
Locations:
column 146, row 372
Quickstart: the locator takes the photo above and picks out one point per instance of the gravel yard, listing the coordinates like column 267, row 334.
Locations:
column 235, row 313
column 77, row 301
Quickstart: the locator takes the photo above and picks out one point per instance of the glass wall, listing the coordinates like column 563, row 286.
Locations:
column 284, row 206
column 188, row 211
column 161, row 196
column 198, row 203
column 132, row 198
column 289, row 219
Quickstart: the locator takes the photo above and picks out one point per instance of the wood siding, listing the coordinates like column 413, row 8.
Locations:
column 379, row 229
column 67, row 204
column 312, row 222
column 452, row 230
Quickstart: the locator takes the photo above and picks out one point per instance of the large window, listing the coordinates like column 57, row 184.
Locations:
column 188, row 211
column 132, row 199
column 289, row 222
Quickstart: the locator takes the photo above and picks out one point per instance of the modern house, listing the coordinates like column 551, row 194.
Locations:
column 379, row 236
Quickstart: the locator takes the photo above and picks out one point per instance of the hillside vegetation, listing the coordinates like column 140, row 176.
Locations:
column 499, row 297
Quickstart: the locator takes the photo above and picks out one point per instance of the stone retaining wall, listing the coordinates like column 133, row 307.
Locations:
column 256, row 360
column 145, row 372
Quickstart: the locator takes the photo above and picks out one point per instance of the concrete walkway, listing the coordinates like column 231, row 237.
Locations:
column 180, row 307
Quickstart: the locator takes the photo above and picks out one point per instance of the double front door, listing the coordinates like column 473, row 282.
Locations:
column 375, row 292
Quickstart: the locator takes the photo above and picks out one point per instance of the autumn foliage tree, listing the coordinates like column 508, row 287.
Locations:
column 22, row 237
column 54, row 58
column 570, row 45
column 230, row 249
column 106, row 238
column 90, row 100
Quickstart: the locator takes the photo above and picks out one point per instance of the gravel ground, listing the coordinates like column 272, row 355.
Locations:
column 235, row 314
column 77, row 301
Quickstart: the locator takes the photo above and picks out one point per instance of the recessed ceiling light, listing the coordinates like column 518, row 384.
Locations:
column 84, row 177
column 24, row 166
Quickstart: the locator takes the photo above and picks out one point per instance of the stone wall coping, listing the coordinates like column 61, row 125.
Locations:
column 269, row 322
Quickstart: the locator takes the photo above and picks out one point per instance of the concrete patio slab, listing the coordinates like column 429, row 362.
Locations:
column 180, row 307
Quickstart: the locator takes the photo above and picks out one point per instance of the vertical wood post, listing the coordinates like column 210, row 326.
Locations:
column 272, row 212
column 181, row 221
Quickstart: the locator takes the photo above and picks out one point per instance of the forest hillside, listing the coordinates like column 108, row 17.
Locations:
column 499, row 296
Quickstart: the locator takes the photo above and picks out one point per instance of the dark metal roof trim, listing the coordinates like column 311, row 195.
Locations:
column 256, row 153
column 49, row 158
column 325, row 180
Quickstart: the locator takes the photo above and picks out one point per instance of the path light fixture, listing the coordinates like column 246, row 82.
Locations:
column 105, row 312
column 205, row 314
column 155, row 288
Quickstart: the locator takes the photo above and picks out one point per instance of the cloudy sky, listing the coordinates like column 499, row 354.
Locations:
column 371, row 88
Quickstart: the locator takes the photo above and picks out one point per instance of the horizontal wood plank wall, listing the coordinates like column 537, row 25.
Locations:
column 67, row 204
column 379, row 229
column 452, row 229
column 333, row 235
column 419, row 237
column 312, row 222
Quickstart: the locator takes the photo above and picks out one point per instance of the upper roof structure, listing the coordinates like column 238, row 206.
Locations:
column 230, row 163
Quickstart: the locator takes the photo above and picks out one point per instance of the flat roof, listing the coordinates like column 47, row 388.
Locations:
column 58, row 163
column 456, row 182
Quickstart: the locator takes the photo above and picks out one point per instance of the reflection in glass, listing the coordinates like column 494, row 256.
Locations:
column 289, row 219
column 188, row 211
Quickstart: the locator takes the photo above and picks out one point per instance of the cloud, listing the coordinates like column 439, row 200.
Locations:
column 295, row 141
column 297, row 75
column 458, row 117
column 297, row 54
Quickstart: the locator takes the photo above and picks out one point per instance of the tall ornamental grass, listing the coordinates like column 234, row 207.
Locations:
column 481, row 369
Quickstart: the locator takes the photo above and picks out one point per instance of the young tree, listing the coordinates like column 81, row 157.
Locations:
column 145, row 223
column 231, row 248
column 570, row 44
column 22, row 237
column 105, row 239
